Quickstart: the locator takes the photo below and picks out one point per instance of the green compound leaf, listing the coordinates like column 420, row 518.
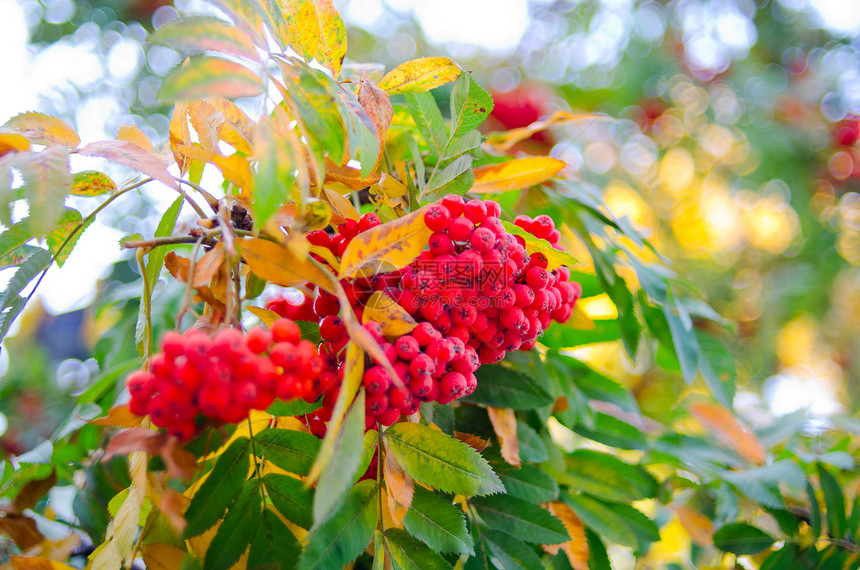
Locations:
column 344, row 536
column 606, row 476
column 527, row 521
column 238, row 529
column 220, row 488
column 742, row 538
column 470, row 105
column 408, row 553
column 502, row 387
column 293, row 451
column 273, row 545
column 513, row 553
column 434, row 520
column 530, row 484
column 426, row 114
column 439, row 460
column 291, row 497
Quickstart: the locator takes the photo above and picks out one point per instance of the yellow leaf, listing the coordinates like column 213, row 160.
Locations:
column 180, row 135
column 12, row 142
column 515, row 174
column 698, row 526
column 237, row 129
column 420, row 75
column 162, row 556
column 576, row 549
column 205, row 124
column 506, row 140
column 118, row 416
column 279, row 265
column 92, row 183
column 348, row 176
column 378, row 106
column 36, row 563
column 341, row 208
column 302, row 26
column 332, row 43
column 386, row 247
column 399, row 489
column 42, row 129
column 204, row 269
column 268, row 317
column 555, row 257
column 132, row 134
column 393, row 318
column 723, row 423
column 235, row 168
column 505, row 425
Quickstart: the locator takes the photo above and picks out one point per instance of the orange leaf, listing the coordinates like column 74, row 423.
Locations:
column 504, row 141
column 205, row 125
column 42, row 129
column 160, row 556
column 173, row 505
column 130, row 133
column 12, row 142
column 505, row 425
column 130, row 155
column 179, row 462
column 386, row 247
column 22, row 530
column 279, row 265
column 268, row 317
column 332, row 44
column 237, row 129
column 698, row 526
column 515, row 174
column 204, row 270
column 119, row 416
column 378, row 106
column 348, row 176
column 420, row 75
column 479, row 444
column 576, row 549
column 341, row 208
column 180, row 134
column 36, row 563
column 723, row 423
column 393, row 318
column 400, row 489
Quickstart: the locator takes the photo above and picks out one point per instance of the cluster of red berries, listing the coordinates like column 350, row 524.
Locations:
column 225, row 376
column 475, row 292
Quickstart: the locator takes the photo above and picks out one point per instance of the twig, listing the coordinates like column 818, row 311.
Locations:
column 189, row 286
column 210, row 199
column 169, row 240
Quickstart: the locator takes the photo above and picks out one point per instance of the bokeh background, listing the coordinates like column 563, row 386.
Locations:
column 727, row 134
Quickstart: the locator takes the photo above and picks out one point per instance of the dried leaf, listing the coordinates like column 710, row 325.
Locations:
column 204, row 270
column 206, row 127
column 420, row 75
column 348, row 176
column 332, row 43
column 399, row 487
column 180, row 135
column 393, row 318
column 378, row 106
column 130, row 155
column 698, row 526
column 515, row 174
column 173, row 505
column 504, row 422
column 479, row 444
column 506, row 140
column 119, row 416
column 723, row 423
column 132, row 134
column 179, row 462
column 42, row 129
column 279, row 265
column 576, row 549
column 386, row 247
column 22, row 530
column 31, row 492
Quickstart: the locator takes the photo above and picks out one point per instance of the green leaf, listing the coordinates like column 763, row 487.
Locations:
column 273, row 546
column 611, row 431
column 814, row 511
column 468, row 142
column 13, row 245
column 602, row 519
column 344, row 536
column 293, row 451
column 69, row 225
column 782, row 559
column 363, row 140
column 26, row 272
column 511, row 552
column 434, row 520
column 220, row 488
column 470, row 105
column 834, row 502
column 47, row 182
column 502, row 387
column 530, row 483
column 407, row 553
column 742, row 538
column 340, row 474
column 428, row 118
column 686, row 345
column 564, row 335
column 439, row 460
column 608, row 477
column 297, row 407
column 527, row 521
column 442, row 179
column 237, row 530
column 442, row 415
column 201, row 33
column 532, row 447
column 205, row 76
column 293, row 499
column 275, row 174
column 598, row 559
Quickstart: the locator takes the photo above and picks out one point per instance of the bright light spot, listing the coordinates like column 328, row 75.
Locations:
column 492, row 24
column 124, row 60
column 841, row 16
column 15, row 61
column 787, row 393
column 4, row 423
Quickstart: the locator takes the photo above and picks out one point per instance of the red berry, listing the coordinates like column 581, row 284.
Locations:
column 258, row 339
column 437, row 217
column 245, row 393
column 421, row 386
column 461, row 229
column 421, row 365
column 537, row 278
column 376, row 380
column 441, row 243
column 554, row 237
column 368, row 221
column 227, row 341
column 452, row 384
column 376, row 404
column 388, row 417
column 285, row 330
column 524, row 222
column 375, row 330
column 475, row 210
column 160, row 366
column 331, row 328
column 173, row 345
column 464, row 315
column 454, row 204
column 441, row 350
column 289, row 387
column 524, row 294
column 407, row 347
column 424, row 333
column 138, row 406
column 141, row 384
column 183, row 430
column 319, row 237
column 542, row 226
column 348, row 229
column 482, row 239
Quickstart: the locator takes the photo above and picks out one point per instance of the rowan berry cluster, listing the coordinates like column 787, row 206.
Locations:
column 226, row 376
column 475, row 293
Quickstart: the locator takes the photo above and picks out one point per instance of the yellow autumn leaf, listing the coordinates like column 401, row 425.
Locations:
column 399, row 487
column 515, row 174
column 505, row 425
column 275, row 263
column 160, row 556
column 235, row 168
column 341, row 208
column 555, row 257
column 42, row 129
column 332, row 37
column 505, row 140
column 268, row 317
column 37, row 563
column 302, row 26
column 179, row 134
column 698, row 526
column 92, row 183
column 12, row 142
column 386, row 247
column 420, row 75
column 132, row 134
column 576, row 549
column 722, row 422
column 393, row 318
